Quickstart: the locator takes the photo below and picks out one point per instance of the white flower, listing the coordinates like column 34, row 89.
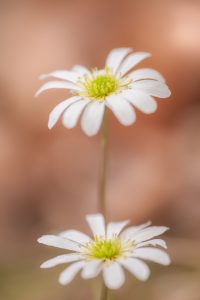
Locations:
column 114, row 87
column 108, row 251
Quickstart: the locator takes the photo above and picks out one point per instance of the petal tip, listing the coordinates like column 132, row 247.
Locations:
column 152, row 110
column 51, row 123
column 169, row 92
column 146, row 277
column 166, row 228
column 167, row 262
column 42, row 76
column 129, row 123
column 61, row 281
column 43, row 239
column 50, row 126
column 167, row 259
column 40, row 239
column 90, row 134
column 37, row 93
column 94, row 215
column 43, row 266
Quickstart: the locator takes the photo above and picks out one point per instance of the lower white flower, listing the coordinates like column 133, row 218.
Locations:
column 114, row 87
column 110, row 249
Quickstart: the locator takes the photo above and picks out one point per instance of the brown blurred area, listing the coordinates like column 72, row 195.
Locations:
column 49, row 179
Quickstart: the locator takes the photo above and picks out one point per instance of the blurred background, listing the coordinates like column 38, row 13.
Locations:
column 49, row 179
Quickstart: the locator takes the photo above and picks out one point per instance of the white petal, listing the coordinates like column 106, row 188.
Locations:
column 76, row 236
column 141, row 100
column 137, row 267
column 149, row 233
column 131, row 61
column 114, row 228
column 61, row 259
column 155, row 242
column 115, row 57
column 98, row 72
column 122, row 109
column 68, row 274
column 59, row 242
column 153, row 88
column 80, row 70
column 97, row 224
column 131, row 231
column 92, row 117
column 57, row 85
column 61, row 74
column 71, row 115
column 113, row 275
column 91, row 269
column 146, row 73
column 58, row 110
column 152, row 254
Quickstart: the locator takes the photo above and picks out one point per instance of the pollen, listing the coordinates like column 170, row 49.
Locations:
column 105, row 249
column 99, row 86
column 108, row 249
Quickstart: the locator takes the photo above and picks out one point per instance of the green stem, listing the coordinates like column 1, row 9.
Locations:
column 104, row 292
column 102, row 188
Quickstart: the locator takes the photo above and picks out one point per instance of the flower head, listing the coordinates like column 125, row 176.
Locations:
column 111, row 248
column 116, row 87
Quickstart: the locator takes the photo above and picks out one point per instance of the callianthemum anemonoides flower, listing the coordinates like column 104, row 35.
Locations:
column 116, row 87
column 111, row 249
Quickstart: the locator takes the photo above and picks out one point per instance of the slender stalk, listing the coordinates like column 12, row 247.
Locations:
column 102, row 187
column 104, row 292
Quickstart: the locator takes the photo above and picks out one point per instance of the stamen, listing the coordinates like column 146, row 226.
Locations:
column 107, row 249
column 98, row 85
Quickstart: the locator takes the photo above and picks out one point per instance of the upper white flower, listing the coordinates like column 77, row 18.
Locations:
column 114, row 87
column 108, row 251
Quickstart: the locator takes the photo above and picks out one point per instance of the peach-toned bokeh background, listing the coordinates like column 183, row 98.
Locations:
column 49, row 179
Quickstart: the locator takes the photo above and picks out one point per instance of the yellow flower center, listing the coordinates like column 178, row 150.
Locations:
column 100, row 86
column 107, row 249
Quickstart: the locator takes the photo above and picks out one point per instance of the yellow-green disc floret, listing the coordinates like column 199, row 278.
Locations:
column 101, row 85
column 106, row 249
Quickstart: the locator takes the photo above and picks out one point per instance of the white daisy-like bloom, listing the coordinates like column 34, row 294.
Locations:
column 116, row 87
column 111, row 249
